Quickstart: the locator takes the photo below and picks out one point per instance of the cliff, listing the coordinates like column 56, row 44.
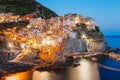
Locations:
column 48, row 39
column 37, row 36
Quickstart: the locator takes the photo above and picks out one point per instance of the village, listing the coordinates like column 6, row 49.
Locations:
column 10, row 17
column 35, row 38
column 41, row 36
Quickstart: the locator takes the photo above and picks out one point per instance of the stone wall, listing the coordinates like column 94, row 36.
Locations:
column 94, row 46
column 74, row 46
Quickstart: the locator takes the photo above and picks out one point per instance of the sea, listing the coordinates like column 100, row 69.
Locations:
column 106, row 69
column 112, row 70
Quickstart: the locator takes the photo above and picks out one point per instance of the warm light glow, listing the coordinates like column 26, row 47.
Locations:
column 2, row 19
column 88, row 23
column 10, row 45
column 84, row 36
column 26, row 51
column 77, row 20
column 47, row 41
column 28, row 26
column 42, row 75
column 86, row 71
column 23, row 45
column 35, row 45
column 20, row 76
column 44, row 36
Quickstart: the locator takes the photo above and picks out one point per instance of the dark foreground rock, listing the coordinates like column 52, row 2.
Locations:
column 8, row 68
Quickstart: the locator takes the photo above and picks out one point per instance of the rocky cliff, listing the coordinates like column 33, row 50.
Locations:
column 36, row 36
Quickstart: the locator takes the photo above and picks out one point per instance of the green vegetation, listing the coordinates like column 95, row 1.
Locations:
column 18, row 10
column 16, row 1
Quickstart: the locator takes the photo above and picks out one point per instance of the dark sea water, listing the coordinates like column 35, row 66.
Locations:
column 106, row 73
column 107, row 69
column 113, row 41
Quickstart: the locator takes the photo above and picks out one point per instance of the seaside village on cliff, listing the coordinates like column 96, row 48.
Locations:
column 70, row 33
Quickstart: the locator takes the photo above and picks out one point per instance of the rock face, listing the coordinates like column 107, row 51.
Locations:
column 96, row 43
column 74, row 46
column 94, row 46
column 41, row 39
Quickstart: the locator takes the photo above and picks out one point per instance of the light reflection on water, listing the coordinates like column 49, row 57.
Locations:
column 20, row 76
column 86, row 71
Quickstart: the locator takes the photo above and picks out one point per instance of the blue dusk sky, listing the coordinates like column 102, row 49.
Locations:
column 105, row 12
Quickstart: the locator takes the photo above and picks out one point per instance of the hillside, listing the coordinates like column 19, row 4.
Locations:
column 19, row 12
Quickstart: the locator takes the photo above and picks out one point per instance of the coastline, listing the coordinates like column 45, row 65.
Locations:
column 25, row 67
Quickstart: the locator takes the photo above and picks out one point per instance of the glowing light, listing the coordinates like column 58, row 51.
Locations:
column 34, row 45
column 15, row 37
column 19, row 76
column 10, row 45
column 2, row 19
column 77, row 20
column 47, row 41
column 42, row 75
column 49, row 32
column 84, row 36
column 28, row 26
column 46, row 36
column 23, row 45
column 88, row 23
column 88, row 68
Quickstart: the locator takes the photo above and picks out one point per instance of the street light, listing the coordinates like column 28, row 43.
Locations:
column 84, row 36
column 48, row 41
column 23, row 45
column 10, row 45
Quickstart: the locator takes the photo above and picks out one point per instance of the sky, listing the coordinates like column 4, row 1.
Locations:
column 105, row 12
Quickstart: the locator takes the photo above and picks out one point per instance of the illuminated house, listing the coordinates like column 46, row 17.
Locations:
column 90, row 23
